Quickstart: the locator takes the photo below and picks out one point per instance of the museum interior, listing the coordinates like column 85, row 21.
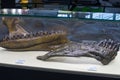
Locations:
column 60, row 39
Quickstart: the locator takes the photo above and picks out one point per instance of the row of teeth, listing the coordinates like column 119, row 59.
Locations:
column 30, row 35
column 109, row 44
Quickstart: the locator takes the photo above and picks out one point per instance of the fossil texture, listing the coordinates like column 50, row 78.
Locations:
column 56, row 42
column 104, row 51
column 19, row 39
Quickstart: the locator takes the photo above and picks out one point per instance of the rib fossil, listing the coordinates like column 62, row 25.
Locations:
column 104, row 51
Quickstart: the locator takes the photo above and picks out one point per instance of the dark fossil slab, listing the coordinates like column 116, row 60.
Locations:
column 104, row 51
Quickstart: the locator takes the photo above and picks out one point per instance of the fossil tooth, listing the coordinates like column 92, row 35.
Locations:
column 6, row 38
column 112, row 43
column 105, row 44
column 33, row 34
column 20, row 36
column 12, row 38
column 44, row 33
column 100, row 43
column 117, row 47
column 26, row 36
column 114, row 47
column 38, row 34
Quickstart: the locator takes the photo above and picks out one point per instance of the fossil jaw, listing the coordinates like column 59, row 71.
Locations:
column 31, row 40
column 104, row 51
column 20, row 39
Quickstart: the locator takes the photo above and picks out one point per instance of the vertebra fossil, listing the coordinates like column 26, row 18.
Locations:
column 104, row 51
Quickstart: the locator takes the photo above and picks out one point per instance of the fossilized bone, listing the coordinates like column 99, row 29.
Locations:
column 13, row 26
column 104, row 51
column 20, row 39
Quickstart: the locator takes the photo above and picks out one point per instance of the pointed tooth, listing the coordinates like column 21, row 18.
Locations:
column 12, row 38
column 112, row 43
column 109, row 40
column 108, row 44
column 41, row 33
column 100, row 43
column 18, row 36
column 52, row 32
column 21, row 36
column 25, row 36
column 46, row 32
column 28, row 36
column 5, row 38
column 103, row 43
column 37, row 34
column 114, row 47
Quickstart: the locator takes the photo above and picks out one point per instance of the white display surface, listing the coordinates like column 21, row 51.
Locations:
column 79, row 65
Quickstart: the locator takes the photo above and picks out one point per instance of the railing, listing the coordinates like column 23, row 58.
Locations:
column 60, row 14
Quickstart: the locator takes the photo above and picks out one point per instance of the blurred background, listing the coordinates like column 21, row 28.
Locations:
column 74, row 5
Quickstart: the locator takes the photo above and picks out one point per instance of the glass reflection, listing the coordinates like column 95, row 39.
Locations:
column 117, row 16
column 59, row 13
column 106, row 16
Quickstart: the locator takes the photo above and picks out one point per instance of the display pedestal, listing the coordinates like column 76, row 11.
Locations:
column 67, row 65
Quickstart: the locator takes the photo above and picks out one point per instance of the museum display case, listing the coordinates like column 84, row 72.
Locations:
column 61, row 41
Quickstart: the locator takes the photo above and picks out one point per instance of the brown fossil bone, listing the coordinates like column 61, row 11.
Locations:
column 13, row 25
column 20, row 39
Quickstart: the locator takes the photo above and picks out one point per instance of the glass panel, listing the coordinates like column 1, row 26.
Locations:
column 106, row 16
column 117, row 16
column 80, row 25
column 76, row 24
column 58, row 14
